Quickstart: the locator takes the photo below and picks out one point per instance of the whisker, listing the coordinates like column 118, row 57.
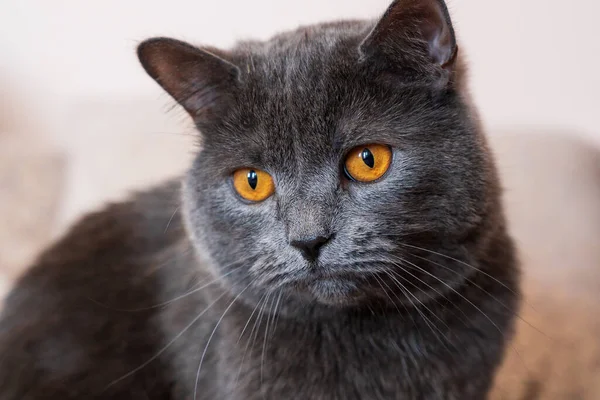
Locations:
column 461, row 262
column 383, row 270
column 470, row 302
column 213, row 333
column 171, row 219
column 448, row 257
column 248, row 321
column 260, row 316
column 473, row 283
column 262, row 357
column 431, row 297
column 164, row 348
column 486, row 292
column 404, row 292
column 258, row 303
column 276, row 318
column 381, row 283
column 99, row 303
column 165, row 303
column 425, row 319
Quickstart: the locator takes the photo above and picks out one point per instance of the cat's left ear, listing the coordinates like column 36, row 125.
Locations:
column 414, row 35
column 200, row 80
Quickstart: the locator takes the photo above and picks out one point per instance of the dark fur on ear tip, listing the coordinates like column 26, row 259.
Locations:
column 413, row 35
column 149, row 46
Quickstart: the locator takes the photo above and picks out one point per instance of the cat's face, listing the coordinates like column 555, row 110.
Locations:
column 334, row 180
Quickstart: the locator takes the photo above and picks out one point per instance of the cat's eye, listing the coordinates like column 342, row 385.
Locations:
column 253, row 184
column 368, row 163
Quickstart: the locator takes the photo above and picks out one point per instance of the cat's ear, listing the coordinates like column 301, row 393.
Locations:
column 414, row 34
column 202, row 82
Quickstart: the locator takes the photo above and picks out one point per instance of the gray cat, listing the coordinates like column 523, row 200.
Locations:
column 338, row 236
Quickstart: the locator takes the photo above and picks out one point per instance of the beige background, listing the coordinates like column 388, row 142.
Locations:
column 533, row 61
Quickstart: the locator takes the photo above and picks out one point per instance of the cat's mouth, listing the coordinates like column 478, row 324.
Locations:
column 333, row 287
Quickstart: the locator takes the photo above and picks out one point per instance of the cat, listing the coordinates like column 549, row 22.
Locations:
column 339, row 235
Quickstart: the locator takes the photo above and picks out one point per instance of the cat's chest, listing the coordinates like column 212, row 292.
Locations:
column 316, row 365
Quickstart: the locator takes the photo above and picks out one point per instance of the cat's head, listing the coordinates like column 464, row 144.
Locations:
column 338, row 162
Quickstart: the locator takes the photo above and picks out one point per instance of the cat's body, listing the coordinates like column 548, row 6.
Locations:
column 87, row 340
column 326, row 287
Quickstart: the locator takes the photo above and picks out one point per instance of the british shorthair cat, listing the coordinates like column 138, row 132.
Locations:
column 339, row 235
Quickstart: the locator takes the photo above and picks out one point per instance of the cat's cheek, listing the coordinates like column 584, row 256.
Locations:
column 371, row 198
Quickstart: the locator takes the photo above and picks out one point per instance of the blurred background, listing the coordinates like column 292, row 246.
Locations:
column 81, row 123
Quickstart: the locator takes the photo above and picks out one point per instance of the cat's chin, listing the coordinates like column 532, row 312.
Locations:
column 334, row 292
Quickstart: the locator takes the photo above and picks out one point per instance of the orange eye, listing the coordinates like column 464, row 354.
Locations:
column 253, row 184
column 368, row 163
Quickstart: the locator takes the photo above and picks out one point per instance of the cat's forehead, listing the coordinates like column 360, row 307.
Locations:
column 300, row 83
column 305, row 95
column 308, row 58
column 307, row 43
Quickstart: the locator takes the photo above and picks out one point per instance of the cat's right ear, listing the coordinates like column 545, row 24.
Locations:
column 413, row 36
column 202, row 82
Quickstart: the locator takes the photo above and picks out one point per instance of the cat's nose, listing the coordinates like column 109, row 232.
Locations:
column 310, row 247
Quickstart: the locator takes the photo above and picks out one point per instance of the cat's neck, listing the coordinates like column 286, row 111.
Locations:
column 268, row 350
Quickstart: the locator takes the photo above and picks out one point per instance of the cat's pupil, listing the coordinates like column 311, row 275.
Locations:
column 368, row 158
column 252, row 179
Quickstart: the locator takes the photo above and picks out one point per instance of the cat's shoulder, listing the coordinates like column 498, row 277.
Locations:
column 108, row 253
column 142, row 225
column 90, row 298
column 144, row 222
